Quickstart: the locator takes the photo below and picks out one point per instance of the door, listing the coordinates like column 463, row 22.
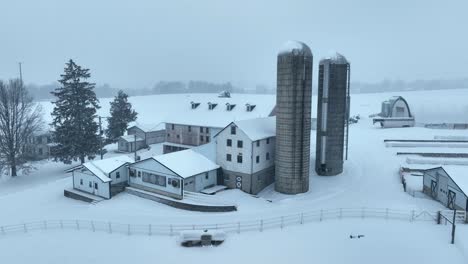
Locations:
column 433, row 189
column 451, row 199
column 96, row 187
column 238, row 182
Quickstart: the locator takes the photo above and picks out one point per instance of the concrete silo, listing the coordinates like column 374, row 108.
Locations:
column 332, row 115
column 293, row 114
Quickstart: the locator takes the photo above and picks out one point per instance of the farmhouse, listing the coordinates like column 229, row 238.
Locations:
column 245, row 150
column 395, row 113
column 140, row 136
column 448, row 185
column 172, row 174
column 102, row 178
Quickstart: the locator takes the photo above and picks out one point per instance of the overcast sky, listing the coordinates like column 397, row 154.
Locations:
column 134, row 44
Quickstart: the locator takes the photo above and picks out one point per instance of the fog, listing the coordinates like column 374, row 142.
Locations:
column 135, row 44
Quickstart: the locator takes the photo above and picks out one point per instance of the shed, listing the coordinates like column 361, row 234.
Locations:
column 99, row 177
column 146, row 134
column 448, row 185
column 173, row 173
column 127, row 143
column 395, row 112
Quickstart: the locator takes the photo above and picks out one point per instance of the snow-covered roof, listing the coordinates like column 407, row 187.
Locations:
column 102, row 168
column 295, row 46
column 258, row 128
column 459, row 174
column 148, row 127
column 131, row 138
column 186, row 163
column 219, row 116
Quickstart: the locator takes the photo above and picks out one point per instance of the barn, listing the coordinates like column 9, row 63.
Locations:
column 101, row 177
column 395, row 112
column 448, row 185
column 172, row 174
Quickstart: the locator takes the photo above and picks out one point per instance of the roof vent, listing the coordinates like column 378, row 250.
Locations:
column 229, row 106
column 211, row 106
column 194, row 105
column 249, row 107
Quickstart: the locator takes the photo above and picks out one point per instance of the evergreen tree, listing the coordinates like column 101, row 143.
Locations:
column 121, row 114
column 74, row 116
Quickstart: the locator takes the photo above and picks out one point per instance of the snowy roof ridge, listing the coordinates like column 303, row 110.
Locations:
column 101, row 168
column 186, row 163
column 258, row 128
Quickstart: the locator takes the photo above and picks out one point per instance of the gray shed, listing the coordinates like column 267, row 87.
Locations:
column 448, row 185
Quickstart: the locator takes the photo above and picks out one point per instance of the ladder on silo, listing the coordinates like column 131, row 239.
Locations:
column 346, row 128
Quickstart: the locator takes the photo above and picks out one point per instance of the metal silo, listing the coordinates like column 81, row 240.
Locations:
column 332, row 115
column 293, row 114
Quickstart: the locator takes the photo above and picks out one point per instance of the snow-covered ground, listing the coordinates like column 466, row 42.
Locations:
column 370, row 179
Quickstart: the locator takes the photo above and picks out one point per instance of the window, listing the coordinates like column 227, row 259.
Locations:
column 239, row 143
column 233, row 130
column 189, row 129
column 201, row 138
column 117, row 175
column 201, row 129
column 139, row 174
column 228, row 157
column 207, row 130
column 258, row 143
column 172, row 126
column 229, row 142
column 239, row 158
column 81, row 181
column 206, row 175
column 178, row 136
column 268, row 156
column 132, row 172
column 268, row 141
column 95, row 185
column 207, row 139
column 168, row 135
column 90, row 185
column 154, row 179
column 257, row 159
column 40, row 151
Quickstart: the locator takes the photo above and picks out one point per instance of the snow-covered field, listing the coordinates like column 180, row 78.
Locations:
column 370, row 179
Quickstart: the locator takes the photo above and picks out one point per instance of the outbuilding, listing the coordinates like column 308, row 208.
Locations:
column 395, row 112
column 101, row 177
column 448, row 185
column 141, row 135
column 173, row 173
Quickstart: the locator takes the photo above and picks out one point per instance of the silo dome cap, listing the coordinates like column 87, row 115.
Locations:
column 295, row 46
column 335, row 58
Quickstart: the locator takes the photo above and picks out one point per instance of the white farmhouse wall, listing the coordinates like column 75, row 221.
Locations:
column 201, row 182
column 89, row 179
column 222, row 150
column 154, row 167
column 261, row 151
column 123, row 175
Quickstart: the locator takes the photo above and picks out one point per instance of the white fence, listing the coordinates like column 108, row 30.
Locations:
column 230, row 227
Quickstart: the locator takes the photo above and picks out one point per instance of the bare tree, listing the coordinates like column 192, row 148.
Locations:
column 20, row 118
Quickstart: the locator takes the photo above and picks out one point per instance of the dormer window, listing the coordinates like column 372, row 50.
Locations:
column 249, row 107
column 211, row 106
column 194, row 105
column 229, row 106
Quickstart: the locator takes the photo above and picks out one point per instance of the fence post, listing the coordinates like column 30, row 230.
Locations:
column 261, row 225
column 128, row 229
column 45, row 225
column 92, row 226
column 386, row 213
column 193, row 227
column 216, row 226
column 61, row 224
column 110, row 227
column 412, row 216
column 341, row 213
column 453, row 226
column 439, row 217
column 321, row 213
column 149, row 230
column 302, row 218
column 25, row 228
column 282, row 222
column 77, row 225
column 363, row 212
column 171, row 230
column 238, row 227
column 3, row 230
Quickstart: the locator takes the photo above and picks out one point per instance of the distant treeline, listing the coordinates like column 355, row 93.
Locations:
column 42, row 92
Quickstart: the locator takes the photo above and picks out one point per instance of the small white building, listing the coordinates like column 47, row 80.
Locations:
column 245, row 150
column 172, row 174
column 100, row 177
column 448, row 185
column 141, row 135
column 395, row 112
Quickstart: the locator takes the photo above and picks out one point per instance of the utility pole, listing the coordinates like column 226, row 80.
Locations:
column 20, row 73
column 134, row 147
